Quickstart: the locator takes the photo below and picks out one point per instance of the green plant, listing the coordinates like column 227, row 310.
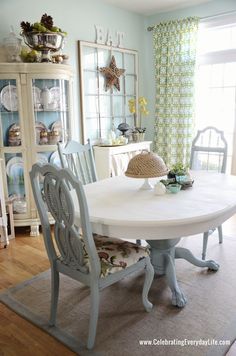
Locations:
column 179, row 169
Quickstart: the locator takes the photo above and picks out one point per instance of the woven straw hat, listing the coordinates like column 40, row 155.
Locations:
column 146, row 165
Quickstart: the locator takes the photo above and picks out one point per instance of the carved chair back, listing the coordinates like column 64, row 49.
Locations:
column 53, row 190
column 79, row 159
column 209, row 150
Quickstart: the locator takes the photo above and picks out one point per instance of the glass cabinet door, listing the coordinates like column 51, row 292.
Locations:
column 11, row 143
column 51, row 110
column 15, row 182
column 9, row 115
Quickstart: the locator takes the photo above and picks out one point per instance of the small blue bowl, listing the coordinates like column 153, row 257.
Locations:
column 174, row 188
column 180, row 179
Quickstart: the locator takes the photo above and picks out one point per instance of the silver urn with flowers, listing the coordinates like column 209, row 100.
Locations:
column 43, row 37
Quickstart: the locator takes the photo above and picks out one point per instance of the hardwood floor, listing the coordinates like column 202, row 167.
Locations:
column 24, row 258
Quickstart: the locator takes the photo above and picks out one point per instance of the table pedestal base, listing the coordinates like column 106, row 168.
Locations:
column 163, row 254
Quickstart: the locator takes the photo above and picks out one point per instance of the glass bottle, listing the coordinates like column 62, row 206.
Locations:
column 12, row 45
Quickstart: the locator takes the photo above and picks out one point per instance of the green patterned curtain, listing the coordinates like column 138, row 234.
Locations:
column 174, row 54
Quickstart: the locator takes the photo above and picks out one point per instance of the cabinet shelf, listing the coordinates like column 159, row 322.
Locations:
column 7, row 112
column 12, row 149
column 51, row 110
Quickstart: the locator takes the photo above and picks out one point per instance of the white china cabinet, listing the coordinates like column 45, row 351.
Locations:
column 35, row 113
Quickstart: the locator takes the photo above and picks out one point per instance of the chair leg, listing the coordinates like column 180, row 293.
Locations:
column 205, row 241
column 55, row 281
column 220, row 234
column 149, row 275
column 94, row 310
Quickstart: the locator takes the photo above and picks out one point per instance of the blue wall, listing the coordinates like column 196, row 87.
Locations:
column 78, row 18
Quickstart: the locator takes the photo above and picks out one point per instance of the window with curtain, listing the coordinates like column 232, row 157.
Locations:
column 216, row 82
column 174, row 45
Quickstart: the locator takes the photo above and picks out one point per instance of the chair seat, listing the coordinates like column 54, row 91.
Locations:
column 116, row 254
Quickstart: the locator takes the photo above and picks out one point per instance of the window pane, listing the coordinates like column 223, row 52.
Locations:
column 90, row 83
column 130, row 120
column 105, row 106
column 215, row 106
column 102, row 84
column 104, row 58
column 92, row 128
column 129, row 63
column 90, row 58
column 119, row 59
column 106, row 126
column 229, row 74
column 91, row 104
column 217, row 39
column 217, row 75
column 130, row 85
column 216, row 84
column 118, row 106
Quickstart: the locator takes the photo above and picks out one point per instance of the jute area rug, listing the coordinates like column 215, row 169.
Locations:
column 209, row 316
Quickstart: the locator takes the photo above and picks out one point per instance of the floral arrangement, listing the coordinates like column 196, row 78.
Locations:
column 142, row 109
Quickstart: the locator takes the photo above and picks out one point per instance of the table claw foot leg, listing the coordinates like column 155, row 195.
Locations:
column 187, row 255
column 212, row 265
column 178, row 299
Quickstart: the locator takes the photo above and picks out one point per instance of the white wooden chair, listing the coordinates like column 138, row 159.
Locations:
column 79, row 159
column 82, row 256
column 209, row 152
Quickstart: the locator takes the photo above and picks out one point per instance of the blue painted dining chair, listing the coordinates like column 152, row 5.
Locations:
column 94, row 260
column 209, row 152
column 79, row 159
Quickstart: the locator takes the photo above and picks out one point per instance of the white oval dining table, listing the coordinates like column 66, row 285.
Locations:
column 118, row 208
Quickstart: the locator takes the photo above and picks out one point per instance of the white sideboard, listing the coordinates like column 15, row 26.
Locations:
column 113, row 160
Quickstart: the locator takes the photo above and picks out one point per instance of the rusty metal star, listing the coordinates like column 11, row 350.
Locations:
column 112, row 74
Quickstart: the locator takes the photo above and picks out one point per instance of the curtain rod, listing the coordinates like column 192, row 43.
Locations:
column 150, row 28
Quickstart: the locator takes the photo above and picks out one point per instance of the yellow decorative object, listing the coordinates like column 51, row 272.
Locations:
column 142, row 107
column 132, row 108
